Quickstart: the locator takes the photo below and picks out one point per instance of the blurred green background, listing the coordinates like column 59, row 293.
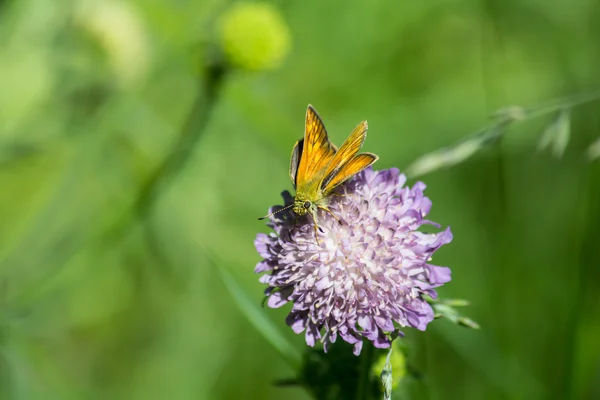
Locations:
column 129, row 155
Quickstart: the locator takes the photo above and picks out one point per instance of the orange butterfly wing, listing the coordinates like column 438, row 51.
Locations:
column 315, row 154
column 348, row 170
column 347, row 162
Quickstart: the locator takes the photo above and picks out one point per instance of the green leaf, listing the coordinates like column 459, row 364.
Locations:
column 445, row 157
column 456, row 302
column 593, row 151
column 445, row 309
column 557, row 134
column 463, row 150
column 510, row 113
column 468, row 323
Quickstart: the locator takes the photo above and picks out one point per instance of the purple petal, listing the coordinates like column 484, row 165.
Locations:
column 310, row 338
column 357, row 348
column 276, row 300
column 261, row 243
column 382, row 342
column 365, row 322
column 384, row 323
column 296, row 322
column 439, row 275
column 262, row 267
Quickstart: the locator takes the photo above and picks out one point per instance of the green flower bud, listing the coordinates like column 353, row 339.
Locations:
column 254, row 36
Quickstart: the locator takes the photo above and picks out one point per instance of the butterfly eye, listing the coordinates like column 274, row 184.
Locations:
column 307, row 204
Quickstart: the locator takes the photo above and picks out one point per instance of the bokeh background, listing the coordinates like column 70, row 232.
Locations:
column 139, row 142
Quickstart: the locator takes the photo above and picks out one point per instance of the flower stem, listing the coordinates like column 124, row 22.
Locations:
column 195, row 124
column 563, row 103
column 191, row 131
column 364, row 383
column 492, row 134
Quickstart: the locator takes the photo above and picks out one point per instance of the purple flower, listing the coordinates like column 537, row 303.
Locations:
column 365, row 276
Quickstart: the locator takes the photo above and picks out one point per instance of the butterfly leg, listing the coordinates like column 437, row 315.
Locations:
column 316, row 226
column 330, row 213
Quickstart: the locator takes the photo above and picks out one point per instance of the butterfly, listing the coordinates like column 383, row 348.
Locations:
column 317, row 167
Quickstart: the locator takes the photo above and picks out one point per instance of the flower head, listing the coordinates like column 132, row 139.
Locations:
column 364, row 276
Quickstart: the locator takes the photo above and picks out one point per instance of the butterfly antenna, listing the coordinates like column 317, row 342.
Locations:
column 276, row 212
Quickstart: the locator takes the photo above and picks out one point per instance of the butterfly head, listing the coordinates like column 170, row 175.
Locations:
column 302, row 206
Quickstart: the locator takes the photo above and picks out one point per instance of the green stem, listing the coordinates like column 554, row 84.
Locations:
column 493, row 133
column 191, row 131
column 568, row 102
column 364, row 384
column 177, row 158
